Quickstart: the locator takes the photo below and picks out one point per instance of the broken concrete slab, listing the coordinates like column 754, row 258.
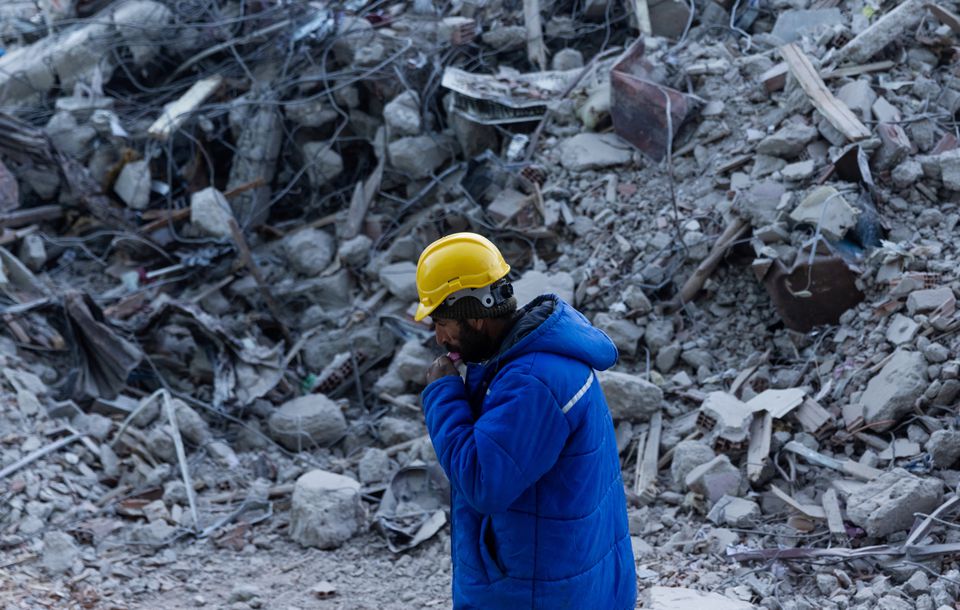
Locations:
column 931, row 299
column 891, row 393
column 792, row 24
column 734, row 512
column 760, row 202
column 888, row 503
column 788, row 141
column 715, row 479
column 630, row 397
column 903, row 18
column 625, row 334
column 586, row 151
column 323, row 163
column 307, row 422
column 59, row 552
column 859, row 96
column 687, row 455
column 325, row 510
column 902, row 330
column 827, row 209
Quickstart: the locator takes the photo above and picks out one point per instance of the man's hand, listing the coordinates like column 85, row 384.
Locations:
column 441, row 367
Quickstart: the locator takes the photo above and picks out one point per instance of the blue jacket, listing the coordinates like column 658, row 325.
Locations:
column 539, row 516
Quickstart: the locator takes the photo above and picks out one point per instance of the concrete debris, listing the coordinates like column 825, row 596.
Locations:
column 587, row 151
column 221, row 213
column 891, row 393
column 715, row 479
column 306, row 422
column 325, row 510
column 888, row 504
column 210, row 212
column 630, row 397
column 679, row 598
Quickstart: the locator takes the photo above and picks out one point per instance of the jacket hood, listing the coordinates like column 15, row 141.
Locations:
column 550, row 324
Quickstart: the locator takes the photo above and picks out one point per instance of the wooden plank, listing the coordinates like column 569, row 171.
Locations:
column 811, row 510
column 836, row 112
column 642, row 11
column 647, row 480
column 849, row 71
column 175, row 113
column 831, row 506
column 536, row 49
column 28, row 216
column 945, row 16
column 366, row 190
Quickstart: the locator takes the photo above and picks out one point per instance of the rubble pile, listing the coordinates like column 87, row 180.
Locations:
column 211, row 215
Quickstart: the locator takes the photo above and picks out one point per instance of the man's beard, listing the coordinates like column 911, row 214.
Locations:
column 474, row 345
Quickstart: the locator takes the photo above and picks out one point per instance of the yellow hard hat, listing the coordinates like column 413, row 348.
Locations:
column 455, row 262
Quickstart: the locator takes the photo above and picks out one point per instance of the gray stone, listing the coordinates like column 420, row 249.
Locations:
column 420, row 156
column 192, row 426
column 244, row 592
column 355, row 252
column 936, row 353
column 793, row 23
column 94, row 424
column 697, row 358
column 536, row 283
column 735, row 512
column 210, row 212
column 400, row 279
column 687, row 455
column 892, row 602
column 901, row 330
column 133, row 185
column 59, row 552
column 33, row 252
column 801, row 170
column 325, row 510
column 887, row 504
column 402, row 115
column 885, row 112
column 630, row 397
column 917, row 584
column 353, row 35
column 948, row 393
column 567, row 59
column 411, row 362
column 668, row 357
column 324, row 163
column 659, row 334
column 307, row 421
column 859, row 96
column 944, row 447
column 395, row 430
column 223, row 454
column 891, row 393
column 923, row 301
column 827, row 583
column 788, row 141
column 586, row 151
column 625, row 334
column 715, row 479
column 309, row 251
column 154, row 533
column 636, row 299
column 374, row 466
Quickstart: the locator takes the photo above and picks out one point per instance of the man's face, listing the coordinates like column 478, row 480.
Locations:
column 466, row 337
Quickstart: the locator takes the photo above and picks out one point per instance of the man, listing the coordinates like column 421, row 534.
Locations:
column 538, row 507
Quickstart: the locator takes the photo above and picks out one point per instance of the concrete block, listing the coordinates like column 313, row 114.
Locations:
column 891, row 393
column 887, row 504
column 325, row 510
column 630, row 397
